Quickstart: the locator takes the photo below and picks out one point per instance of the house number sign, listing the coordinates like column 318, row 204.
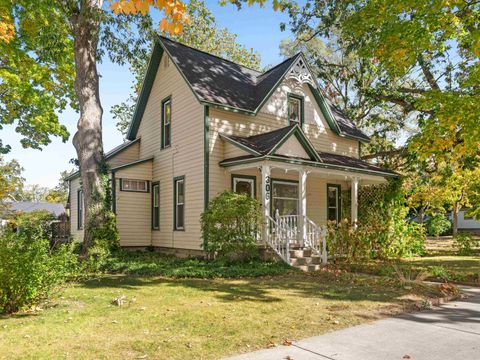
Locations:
column 267, row 187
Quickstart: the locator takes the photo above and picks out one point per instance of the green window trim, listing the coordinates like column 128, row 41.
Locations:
column 163, row 143
column 80, row 209
column 245, row 177
column 122, row 186
column 177, row 180
column 302, row 107
column 155, row 184
column 339, row 201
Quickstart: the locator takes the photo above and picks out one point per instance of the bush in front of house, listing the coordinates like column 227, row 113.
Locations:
column 230, row 226
column 29, row 269
column 36, row 222
column 382, row 231
column 466, row 243
column 438, row 225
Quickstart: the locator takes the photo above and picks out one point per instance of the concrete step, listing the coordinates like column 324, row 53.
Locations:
column 309, row 268
column 300, row 253
column 310, row 260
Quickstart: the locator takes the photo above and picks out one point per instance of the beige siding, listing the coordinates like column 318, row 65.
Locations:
column 232, row 151
column 183, row 158
column 133, row 208
column 125, row 156
column 75, row 185
column 316, row 189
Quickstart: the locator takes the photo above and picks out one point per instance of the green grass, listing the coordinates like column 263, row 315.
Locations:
column 167, row 318
column 440, row 262
column 157, row 264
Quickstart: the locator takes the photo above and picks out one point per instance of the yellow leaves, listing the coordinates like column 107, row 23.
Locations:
column 175, row 12
column 7, row 29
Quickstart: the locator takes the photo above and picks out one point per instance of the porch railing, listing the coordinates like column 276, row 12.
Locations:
column 277, row 240
column 316, row 238
column 283, row 233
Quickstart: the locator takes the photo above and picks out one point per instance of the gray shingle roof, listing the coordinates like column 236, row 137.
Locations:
column 264, row 143
column 56, row 209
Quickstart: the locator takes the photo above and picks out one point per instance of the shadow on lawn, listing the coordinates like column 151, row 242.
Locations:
column 261, row 289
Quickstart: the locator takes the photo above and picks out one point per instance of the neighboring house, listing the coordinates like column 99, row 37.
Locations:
column 203, row 125
column 465, row 223
column 56, row 209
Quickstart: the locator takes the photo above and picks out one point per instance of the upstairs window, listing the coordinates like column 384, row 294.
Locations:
column 134, row 185
column 295, row 109
column 166, row 122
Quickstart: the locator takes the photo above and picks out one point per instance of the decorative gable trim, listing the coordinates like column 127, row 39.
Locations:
column 302, row 139
column 301, row 73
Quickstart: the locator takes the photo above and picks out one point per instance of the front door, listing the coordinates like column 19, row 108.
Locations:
column 285, row 197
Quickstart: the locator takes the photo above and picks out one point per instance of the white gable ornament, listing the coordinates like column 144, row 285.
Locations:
column 300, row 73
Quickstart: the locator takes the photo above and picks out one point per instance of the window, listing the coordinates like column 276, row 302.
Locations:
column 134, row 185
column 285, row 197
column 179, row 203
column 155, row 206
column 166, row 122
column 295, row 109
column 243, row 184
column 333, row 203
column 80, row 205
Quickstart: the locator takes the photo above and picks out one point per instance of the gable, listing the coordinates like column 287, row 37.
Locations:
column 292, row 148
column 221, row 83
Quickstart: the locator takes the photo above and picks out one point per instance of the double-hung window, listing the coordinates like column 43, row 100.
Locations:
column 295, row 109
column 243, row 184
column 166, row 122
column 179, row 203
column 80, row 211
column 156, row 206
column 333, row 202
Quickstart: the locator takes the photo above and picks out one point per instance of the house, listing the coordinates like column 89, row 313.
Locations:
column 56, row 209
column 465, row 222
column 203, row 124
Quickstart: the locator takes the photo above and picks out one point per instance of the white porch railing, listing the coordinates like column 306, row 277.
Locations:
column 277, row 240
column 283, row 234
column 316, row 239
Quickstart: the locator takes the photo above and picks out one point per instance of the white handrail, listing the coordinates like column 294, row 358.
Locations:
column 277, row 240
column 316, row 238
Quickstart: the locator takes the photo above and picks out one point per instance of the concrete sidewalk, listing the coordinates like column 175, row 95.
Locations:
column 451, row 332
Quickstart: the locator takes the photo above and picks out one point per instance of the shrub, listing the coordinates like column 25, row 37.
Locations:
column 466, row 243
column 439, row 272
column 30, row 270
column 36, row 222
column 230, row 226
column 438, row 225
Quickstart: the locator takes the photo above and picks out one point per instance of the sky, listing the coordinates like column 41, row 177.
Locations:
column 257, row 28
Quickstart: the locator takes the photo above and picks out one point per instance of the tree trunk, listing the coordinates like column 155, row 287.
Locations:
column 88, row 138
column 455, row 219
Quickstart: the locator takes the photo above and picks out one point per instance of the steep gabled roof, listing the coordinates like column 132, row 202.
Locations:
column 223, row 83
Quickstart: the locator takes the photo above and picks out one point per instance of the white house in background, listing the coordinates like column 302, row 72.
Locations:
column 466, row 223
column 202, row 125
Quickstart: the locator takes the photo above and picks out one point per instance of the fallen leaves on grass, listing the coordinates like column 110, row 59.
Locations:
column 287, row 342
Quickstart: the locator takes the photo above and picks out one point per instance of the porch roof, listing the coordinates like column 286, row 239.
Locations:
column 328, row 161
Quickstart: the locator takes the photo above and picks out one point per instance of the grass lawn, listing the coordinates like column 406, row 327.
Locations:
column 175, row 318
column 440, row 262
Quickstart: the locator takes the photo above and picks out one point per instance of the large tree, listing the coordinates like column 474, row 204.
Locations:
column 48, row 59
column 11, row 182
column 429, row 54
column 201, row 32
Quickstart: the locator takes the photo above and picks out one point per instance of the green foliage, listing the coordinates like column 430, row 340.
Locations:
column 11, row 182
column 30, row 269
column 230, row 225
column 148, row 263
column 35, row 223
column 466, row 243
column 382, row 231
column 439, row 272
column 426, row 53
column 438, row 225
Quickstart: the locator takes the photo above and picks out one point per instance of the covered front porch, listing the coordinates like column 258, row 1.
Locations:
column 298, row 200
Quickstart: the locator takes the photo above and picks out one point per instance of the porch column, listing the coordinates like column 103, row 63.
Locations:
column 302, row 209
column 266, row 186
column 354, row 204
